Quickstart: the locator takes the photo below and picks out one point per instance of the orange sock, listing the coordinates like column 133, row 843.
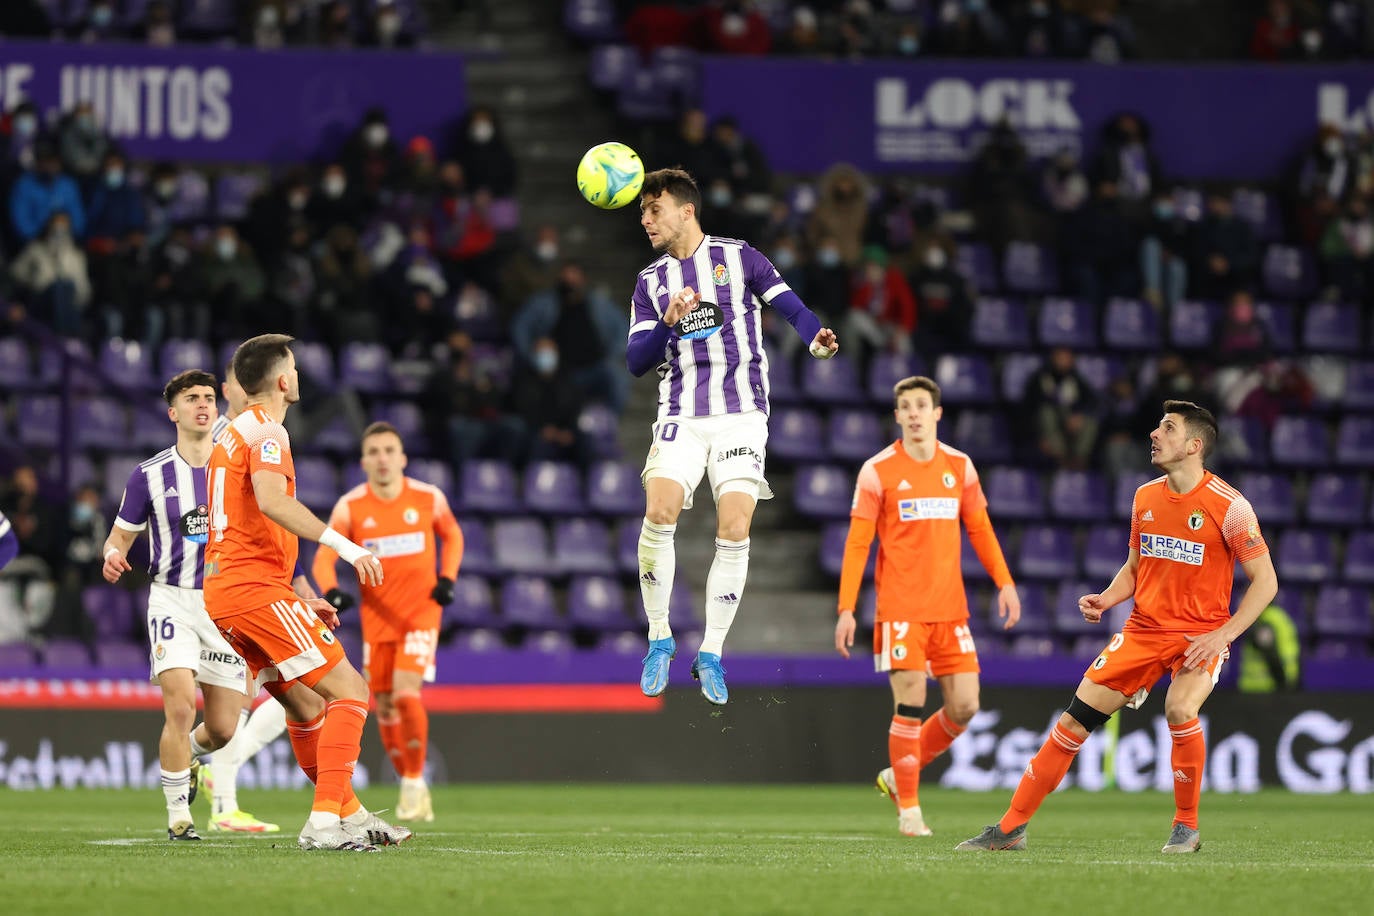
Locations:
column 340, row 740
column 305, row 739
column 1189, row 757
column 390, row 730
column 414, row 730
column 903, row 741
column 937, row 735
column 1043, row 775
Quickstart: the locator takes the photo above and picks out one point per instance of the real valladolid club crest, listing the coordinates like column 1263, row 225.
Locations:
column 1196, row 519
column 721, row 275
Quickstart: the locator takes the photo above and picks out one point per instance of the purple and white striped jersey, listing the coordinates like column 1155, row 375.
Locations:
column 221, row 424
column 167, row 496
column 728, row 371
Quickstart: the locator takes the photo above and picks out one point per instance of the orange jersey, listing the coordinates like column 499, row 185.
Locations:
column 1189, row 544
column 250, row 558
column 400, row 532
column 916, row 508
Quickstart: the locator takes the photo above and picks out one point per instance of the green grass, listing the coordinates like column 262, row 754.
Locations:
column 693, row 849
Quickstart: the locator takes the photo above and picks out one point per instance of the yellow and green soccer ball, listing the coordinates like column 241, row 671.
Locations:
column 610, row 175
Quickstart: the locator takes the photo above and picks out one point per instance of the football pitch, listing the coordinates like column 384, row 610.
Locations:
column 647, row 849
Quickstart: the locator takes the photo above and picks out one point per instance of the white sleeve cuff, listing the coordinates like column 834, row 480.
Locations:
column 129, row 526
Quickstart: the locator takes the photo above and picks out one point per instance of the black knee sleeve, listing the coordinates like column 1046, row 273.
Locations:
column 1086, row 716
column 911, row 712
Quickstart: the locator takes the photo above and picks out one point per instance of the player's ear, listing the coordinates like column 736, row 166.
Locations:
column 937, row 413
column 171, row 413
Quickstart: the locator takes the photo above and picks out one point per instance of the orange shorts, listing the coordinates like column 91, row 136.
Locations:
column 940, row 648
column 1136, row 659
column 282, row 642
column 414, row 652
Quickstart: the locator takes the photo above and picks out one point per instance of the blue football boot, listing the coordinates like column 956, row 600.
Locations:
column 654, row 680
column 708, row 670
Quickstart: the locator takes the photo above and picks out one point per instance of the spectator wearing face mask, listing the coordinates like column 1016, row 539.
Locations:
column 968, row 28
column 803, row 36
column 1225, row 253
column 827, row 278
column 1347, row 253
column 481, row 150
column 334, row 201
column 1037, row 30
column 266, row 31
column 840, row 214
column 1063, row 185
column 343, row 279
column 906, row 44
column 371, row 158
column 943, row 304
column 735, row 27
column 1062, row 407
column 1000, row 188
column 84, row 536
column 99, row 24
column 548, row 404
column 157, row 28
column 50, row 273
column 691, row 148
column 160, row 200
column 464, row 408
column 1164, row 250
column 275, row 213
column 81, row 143
column 17, row 141
column 882, row 311
column 531, row 269
column 1126, row 160
column 387, row 28
column 463, row 232
column 115, row 207
column 230, row 280
column 415, row 285
column 42, row 191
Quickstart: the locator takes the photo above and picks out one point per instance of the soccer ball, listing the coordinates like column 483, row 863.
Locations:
column 610, row 175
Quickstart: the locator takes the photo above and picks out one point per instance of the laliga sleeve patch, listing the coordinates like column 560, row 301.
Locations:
column 270, row 452
column 701, row 322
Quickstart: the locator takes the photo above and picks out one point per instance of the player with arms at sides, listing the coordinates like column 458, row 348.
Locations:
column 167, row 496
column 914, row 494
column 255, row 521
column 696, row 318
column 399, row 519
column 1189, row 528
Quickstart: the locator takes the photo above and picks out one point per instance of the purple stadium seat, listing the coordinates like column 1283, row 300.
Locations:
column 866, row 608
column 1123, row 492
column 856, row 435
column 1359, row 386
column 783, row 387
column 1279, row 322
column 964, row 379
column 1355, row 442
column 1035, row 615
column 1099, row 369
column 110, row 610
column 582, row 546
column 801, row 200
column 1029, row 268
column 104, row 423
column 1001, row 323
column 208, row 18
column 150, row 429
column 553, row 488
column 52, row 371
column 1359, row 558
column 16, row 365
column 521, row 545
column 597, row 603
column 549, row 642
column 627, row 546
column 472, row 605
column 1131, row 324
column 66, row 655
column 679, row 70
column 821, row 491
column 1192, row 324
column 1289, row 272
column 434, row 472
column 1047, row 552
column 477, row 554
column 365, row 367
column 1014, row 493
column 1017, row 369
column 1090, row 645
column 115, row 475
column 831, row 381
column 643, row 97
column 833, row 536
column 1261, row 211
column 409, row 421
column 1342, row 610
column 180, row 355
column 970, row 567
column 129, row 363
column 686, row 611
column 1028, row 645
column 977, row 263
column 1242, row 442
column 794, row 435
column 886, row 370
column 984, row 435
column 613, row 488
column 17, row 659
column 39, row 420
column 121, row 659
column 191, row 201
column 1300, row 441
column 234, row 191
column 337, row 435
column 1332, row 328
column 600, row 425
column 1068, row 621
column 591, row 20
column 528, row 602
column 1079, row 496
column 1271, row 496
column 1334, row 499
column 1305, row 556
column 489, row 487
column 317, row 483
column 314, row 361
column 1067, row 323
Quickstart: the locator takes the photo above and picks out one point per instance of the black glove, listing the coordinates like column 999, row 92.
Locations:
column 341, row 600
column 443, row 592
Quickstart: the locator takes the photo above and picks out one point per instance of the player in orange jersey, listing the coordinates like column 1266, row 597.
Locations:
column 255, row 521
column 398, row 518
column 914, row 494
column 1188, row 530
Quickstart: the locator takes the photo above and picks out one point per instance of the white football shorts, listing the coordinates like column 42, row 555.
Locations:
column 728, row 449
column 182, row 635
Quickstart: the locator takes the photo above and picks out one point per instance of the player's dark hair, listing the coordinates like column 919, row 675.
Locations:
column 1198, row 422
column 378, row 429
column 915, row 383
column 257, row 357
column 191, row 378
column 673, row 181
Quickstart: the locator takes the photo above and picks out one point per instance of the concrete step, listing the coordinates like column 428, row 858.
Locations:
column 527, row 70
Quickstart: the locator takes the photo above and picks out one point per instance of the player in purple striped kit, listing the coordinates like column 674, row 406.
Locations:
column 696, row 318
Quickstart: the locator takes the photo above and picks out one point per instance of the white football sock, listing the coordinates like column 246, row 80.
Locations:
column 321, row 819
column 226, row 772
column 657, row 566
column 176, row 787
column 197, row 749
column 256, row 730
column 724, row 589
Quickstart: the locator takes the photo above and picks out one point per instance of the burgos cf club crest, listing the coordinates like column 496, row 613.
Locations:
column 1196, row 519
column 326, row 637
column 720, row 275
column 948, row 480
column 410, row 516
